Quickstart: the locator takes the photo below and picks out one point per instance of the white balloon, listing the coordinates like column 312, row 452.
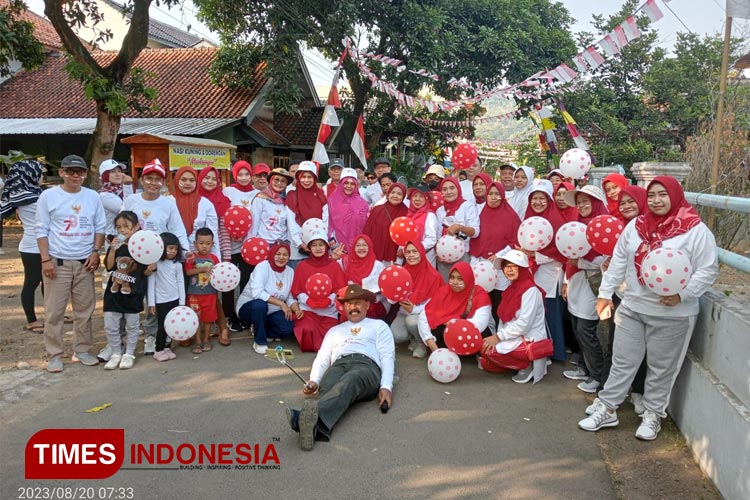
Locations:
column 575, row 163
column 312, row 227
column 666, row 271
column 225, row 276
column 485, row 275
column 181, row 323
column 571, row 240
column 535, row 233
column 444, row 365
column 450, row 249
column 146, row 247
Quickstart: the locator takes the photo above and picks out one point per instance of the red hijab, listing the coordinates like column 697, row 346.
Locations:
column 487, row 180
column 614, row 205
column 554, row 217
column 272, row 254
column 568, row 213
column 512, row 296
column 306, row 203
column 312, row 265
column 378, row 225
column 452, row 206
column 239, row 165
column 446, row 304
column 654, row 229
column 639, row 195
column 597, row 208
column 187, row 204
column 358, row 268
column 498, row 227
column 216, row 196
column 419, row 215
column 426, row 278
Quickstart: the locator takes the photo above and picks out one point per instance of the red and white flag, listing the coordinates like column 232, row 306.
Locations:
column 653, row 11
column 630, row 28
column 593, row 58
column 330, row 119
column 358, row 142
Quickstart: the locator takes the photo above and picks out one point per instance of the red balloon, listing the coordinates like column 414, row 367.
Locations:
column 340, row 295
column 254, row 251
column 318, row 287
column 464, row 155
column 462, row 337
column 403, row 230
column 238, row 221
column 395, row 283
column 602, row 233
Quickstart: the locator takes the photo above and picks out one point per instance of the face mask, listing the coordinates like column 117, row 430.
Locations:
column 432, row 184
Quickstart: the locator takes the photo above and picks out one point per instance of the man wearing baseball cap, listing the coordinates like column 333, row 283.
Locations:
column 334, row 174
column 374, row 192
column 354, row 363
column 260, row 176
column 507, row 170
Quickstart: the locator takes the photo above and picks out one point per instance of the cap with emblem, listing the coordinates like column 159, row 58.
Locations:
column 73, row 161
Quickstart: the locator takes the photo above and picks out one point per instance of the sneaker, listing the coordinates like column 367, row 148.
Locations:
column 479, row 363
column 413, row 343
column 602, row 417
column 161, row 356
column 419, row 352
column 574, row 358
column 170, row 353
column 85, row 359
column 650, row 426
column 524, row 375
column 577, row 374
column 55, row 365
column 260, row 349
column 234, row 326
column 308, row 419
column 149, row 346
column 113, row 362
column 127, row 361
column 104, row 354
column 637, row 400
column 292, row 416
column 593, row 407
column 589, row 386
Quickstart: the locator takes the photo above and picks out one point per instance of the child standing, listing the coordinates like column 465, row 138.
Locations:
column 201, row 296
column 166, row 290
column 123, row 297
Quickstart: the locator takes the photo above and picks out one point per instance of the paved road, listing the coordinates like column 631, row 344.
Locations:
column 481, row 436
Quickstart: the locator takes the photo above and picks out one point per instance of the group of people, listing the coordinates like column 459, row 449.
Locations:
column 320, row 286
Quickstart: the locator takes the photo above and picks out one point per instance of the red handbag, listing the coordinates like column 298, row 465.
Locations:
column 538, row 349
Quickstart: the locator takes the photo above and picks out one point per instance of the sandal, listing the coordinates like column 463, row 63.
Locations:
column 206, row 347
column 224, row 338
column 35, row 329
column 197, row 349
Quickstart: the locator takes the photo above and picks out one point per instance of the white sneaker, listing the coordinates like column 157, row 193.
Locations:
column 589, row 386
column 260, row 349
column 637, row 400
column 149, row 346
column 577, row 374
column 114, row 361
column 602, row 417
column 127, row 361
column 419, row 352
column 413, row 343
column 593, row 407
column 105, row 354
column 524, row 375
column 650, row 426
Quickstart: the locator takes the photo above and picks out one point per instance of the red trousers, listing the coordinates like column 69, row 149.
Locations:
column 311, row 329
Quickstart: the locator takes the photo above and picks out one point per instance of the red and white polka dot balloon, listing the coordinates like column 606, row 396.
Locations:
column 181, row 323
column 485, row 275
column 571, row 240
column 403, row 230
column 312, row 227
column 146, row 247
column 535, row 233
column 462, row 337
column 254, row 251
column 464, row 156
column 238, row 221
column 318, row 285
column 444, row 365
column 602, row 233
column 225, row 276
column 450, row 249
column 396, row 284
column 666, row 271
column 575, row 163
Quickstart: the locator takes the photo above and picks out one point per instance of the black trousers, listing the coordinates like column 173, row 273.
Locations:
column 161, row 312
column 32, row 278
column 591, row 346
column 227, row 298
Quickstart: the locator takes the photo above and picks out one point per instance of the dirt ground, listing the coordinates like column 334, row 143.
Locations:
column 663, row 469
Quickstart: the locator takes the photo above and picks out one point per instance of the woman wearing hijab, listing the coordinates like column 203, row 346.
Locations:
column 19, row 195
column 362, row 267
column 457, row 217
column 267, row 302
column 647, row 322
column 581, row 298
column 320, row 314
column 479, row 186
column 612, row 185
column 549, row 273
column 460, row 298
column 499, row 233
column 116, row 186
column 195, row 210
column 521, row 314
column 348, row 210
column 306, row 201
column 568, row 213
column 420, row 211
column 270, row 214
column 524, row 180
column 426, row 281
column 378, row 224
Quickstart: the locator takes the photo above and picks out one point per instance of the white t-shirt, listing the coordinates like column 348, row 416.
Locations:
column 159, row 215
column 467, row 190
column 70, row 221
column 466, row 215
column 113, row 206
column 266, row 283
column 528, row 322
column 27, row 216
column 166, row 284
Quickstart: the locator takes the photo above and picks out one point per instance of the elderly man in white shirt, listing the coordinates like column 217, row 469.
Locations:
column 354, row 363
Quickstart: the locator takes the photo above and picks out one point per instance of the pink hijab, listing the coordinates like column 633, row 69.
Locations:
column 348, row 214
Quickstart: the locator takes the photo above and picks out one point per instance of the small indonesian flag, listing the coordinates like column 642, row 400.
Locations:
column 358, row 142
column 330, row 119
column 653, row 11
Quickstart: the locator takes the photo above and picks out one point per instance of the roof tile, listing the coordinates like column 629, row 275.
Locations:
column 300, row 130
column 43, row 29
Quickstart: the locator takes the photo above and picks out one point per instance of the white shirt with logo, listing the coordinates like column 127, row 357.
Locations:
column 70, row 221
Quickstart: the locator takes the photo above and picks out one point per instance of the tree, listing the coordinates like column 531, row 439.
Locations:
column 484, row 41
column 110, row 82
column 17, row 41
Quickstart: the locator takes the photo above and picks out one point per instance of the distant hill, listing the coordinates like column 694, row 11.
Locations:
column 506, row 129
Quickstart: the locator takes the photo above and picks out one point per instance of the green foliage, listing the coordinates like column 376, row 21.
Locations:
column 17, row 41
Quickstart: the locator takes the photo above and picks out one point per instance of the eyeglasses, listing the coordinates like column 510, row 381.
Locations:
column 371, row 177
column 279, row 180
column 76, row 172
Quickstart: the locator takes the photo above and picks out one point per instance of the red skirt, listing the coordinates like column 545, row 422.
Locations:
column 311, row 329
column 495, row 362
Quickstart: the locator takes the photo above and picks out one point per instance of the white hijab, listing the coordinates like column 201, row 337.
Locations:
column 520, row 200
